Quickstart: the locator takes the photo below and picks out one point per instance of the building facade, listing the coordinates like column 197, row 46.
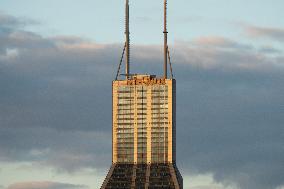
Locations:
column 144, row 120
column 144, row 134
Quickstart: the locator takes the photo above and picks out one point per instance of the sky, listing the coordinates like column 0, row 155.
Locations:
column 59, row 57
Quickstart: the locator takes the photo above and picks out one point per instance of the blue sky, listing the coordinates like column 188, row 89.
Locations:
column 59, row 57
column 103, row 21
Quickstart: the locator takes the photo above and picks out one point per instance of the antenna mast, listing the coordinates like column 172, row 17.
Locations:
column 165, row 41
column 127, row 66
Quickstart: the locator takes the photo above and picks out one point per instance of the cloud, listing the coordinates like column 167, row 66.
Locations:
column 276, row 34
column 8, row 21
column 269, row 50
column 13, row 37
column 227, row 58
column 66, row 150
column 45, row 185
column 219, row 42
column 56, row 108
column 208, row 187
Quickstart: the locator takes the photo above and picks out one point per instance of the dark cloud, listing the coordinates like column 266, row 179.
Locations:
column 231, row 118
column 62, row 150
column 272, row 33
column 55, row 104
column 13, row 36
column 206, row 187
column 269, row 50
column 8, row 21
column 45, row 185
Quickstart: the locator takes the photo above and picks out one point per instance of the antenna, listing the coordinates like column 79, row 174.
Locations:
column 165, row 41
column 127, row 66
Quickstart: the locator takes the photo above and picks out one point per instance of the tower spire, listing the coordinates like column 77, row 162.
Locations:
column 165, row 41
column 127, row 38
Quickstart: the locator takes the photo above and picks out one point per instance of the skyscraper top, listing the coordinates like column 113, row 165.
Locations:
column 143, row 126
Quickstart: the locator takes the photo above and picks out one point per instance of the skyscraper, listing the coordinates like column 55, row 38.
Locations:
column 144, row 127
